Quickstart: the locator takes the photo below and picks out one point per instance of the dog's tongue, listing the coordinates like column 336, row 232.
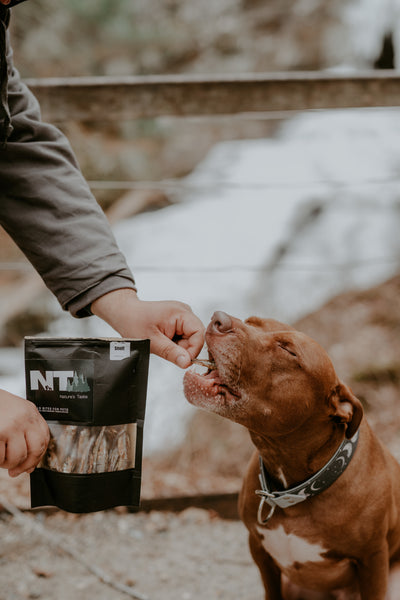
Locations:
column 213, row 375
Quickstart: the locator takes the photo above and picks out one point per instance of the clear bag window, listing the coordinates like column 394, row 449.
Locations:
column 90, row 449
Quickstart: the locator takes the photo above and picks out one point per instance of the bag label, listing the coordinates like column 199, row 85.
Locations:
column 120, row 350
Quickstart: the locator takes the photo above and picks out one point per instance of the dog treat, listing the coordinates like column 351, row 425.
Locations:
column 204, row 363
column 92, row 392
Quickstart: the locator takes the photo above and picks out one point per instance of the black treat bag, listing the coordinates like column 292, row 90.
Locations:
column 92, row 393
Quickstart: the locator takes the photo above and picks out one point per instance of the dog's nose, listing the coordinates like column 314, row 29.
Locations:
column 221, row 322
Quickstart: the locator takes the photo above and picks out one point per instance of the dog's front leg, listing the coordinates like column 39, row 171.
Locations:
column 270, row 573
column 373, row 574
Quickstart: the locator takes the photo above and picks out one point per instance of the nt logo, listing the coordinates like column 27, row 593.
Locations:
column 68, row 381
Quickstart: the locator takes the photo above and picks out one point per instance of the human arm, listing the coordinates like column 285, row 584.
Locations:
column 47, row 208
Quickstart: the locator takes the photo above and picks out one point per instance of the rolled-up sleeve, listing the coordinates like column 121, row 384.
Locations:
column 47, row 208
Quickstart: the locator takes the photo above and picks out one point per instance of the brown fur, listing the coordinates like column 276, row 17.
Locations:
column 282, row 386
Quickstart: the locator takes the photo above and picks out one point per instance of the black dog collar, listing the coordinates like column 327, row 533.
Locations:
column 316, row 484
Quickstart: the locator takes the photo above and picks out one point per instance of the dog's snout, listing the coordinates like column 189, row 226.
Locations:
column 221, row 322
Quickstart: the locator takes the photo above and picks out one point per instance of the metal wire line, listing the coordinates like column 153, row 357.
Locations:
column 279, row 266
column 180, row 185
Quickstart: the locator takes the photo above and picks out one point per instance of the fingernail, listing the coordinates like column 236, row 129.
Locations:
column 182, row 361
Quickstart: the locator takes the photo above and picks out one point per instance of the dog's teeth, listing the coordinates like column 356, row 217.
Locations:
column 208, row 364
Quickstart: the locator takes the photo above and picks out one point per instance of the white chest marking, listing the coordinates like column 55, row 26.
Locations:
column 287, row 548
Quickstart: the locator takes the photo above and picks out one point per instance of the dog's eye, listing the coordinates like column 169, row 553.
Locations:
column 287, row 349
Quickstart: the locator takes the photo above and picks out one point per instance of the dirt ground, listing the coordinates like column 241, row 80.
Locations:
column 159, row 556
column 195, row 554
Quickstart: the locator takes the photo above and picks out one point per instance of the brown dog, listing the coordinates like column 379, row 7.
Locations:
column 323, row 506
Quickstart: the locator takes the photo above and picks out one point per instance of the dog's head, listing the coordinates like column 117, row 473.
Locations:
column 270, row 378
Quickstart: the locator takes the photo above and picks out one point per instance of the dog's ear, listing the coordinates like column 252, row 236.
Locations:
column 345, row 408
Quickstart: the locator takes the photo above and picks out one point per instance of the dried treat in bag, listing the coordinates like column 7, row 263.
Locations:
column 92, row 393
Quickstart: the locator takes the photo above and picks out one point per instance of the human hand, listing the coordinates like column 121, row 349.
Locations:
column 175, row 332
column 24, row 434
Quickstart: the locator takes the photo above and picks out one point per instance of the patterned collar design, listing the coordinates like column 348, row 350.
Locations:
column 316, row 484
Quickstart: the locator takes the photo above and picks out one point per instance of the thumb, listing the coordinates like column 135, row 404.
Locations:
column 165, row 348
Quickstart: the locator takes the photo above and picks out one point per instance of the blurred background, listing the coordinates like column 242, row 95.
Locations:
column 291, row 215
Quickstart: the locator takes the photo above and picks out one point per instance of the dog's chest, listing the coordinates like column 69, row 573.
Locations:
column 288, row 549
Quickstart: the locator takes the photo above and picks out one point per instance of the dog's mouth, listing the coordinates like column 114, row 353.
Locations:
column 209, row 384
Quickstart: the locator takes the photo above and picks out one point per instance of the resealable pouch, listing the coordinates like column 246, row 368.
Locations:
column 92, row 393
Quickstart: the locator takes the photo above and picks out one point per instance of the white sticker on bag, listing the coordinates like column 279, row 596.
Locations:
column 120, row 350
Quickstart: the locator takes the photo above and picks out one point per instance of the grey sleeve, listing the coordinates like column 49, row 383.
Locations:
column 47, row 208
